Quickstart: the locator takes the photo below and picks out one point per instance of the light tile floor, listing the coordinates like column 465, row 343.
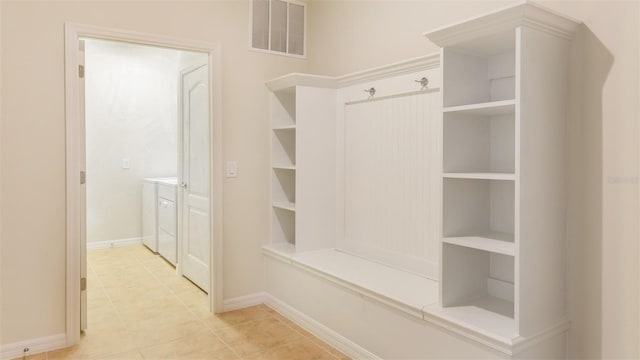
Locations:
column 138, row 308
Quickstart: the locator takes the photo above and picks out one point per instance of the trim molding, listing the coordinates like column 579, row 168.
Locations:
column 524, row 14
column 326, row 334
column 93, row 245
column 431, row 61
column 74, row 152
column 36, row 346
column 244, row 301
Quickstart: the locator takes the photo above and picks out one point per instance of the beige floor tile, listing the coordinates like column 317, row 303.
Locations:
column 236, row 317
column 139, row 308
column 257, row 336
column 41, row 356
column 298, row 350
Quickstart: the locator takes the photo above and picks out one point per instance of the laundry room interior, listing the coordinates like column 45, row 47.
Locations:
column 132, row 104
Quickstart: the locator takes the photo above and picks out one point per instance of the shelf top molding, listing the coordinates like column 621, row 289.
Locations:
column 524, row 14
column 290, row 81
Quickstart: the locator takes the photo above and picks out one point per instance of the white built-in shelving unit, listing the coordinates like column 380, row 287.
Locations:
column 504, row 89
column 303, row 132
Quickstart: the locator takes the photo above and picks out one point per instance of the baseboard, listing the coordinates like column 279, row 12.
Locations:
column 242, row 302
column 327, row 335
column 93, row 245
column 36, row 346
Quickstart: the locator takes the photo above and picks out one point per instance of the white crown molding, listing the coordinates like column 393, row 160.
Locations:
column 297, row 79
column 524, row 14
column 288, row 82
column 431, row 61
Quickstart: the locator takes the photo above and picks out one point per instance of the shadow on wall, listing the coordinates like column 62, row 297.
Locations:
column 591, row 63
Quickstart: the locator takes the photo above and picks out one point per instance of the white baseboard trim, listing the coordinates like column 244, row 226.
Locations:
column 327, row 335
column 242, row 302
column 36, row 346
column 93, row 245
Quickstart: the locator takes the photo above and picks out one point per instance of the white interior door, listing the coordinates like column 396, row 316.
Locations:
column 83, row 196
column 196, row 225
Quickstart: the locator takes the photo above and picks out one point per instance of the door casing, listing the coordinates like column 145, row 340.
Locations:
column 75, row 155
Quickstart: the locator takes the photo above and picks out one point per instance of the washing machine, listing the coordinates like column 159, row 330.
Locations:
column 159, row 216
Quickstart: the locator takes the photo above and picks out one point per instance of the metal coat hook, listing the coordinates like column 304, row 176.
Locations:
column 423, row 82
column 371, row 91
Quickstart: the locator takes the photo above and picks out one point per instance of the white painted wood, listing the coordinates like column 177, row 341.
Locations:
column 486, row 25
column 319, row 330
column 283, row 224
column 315, row 168
column 542, row 193
column 474, row 143
column 389, row 208
column 480, row 176
column 388, row 330
column 488, row 242
column 519, row 145
column 150, row 215
column 283, row 186
column 83, row 187
column 492, row 108
column 283, row 109
column 284, row 147
column 285, row 205
column 196, row 173
column 36, row 346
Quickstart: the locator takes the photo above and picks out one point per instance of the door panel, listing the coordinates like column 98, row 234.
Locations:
column 196, row 224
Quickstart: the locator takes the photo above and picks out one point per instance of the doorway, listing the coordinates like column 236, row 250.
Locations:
column 197, row 179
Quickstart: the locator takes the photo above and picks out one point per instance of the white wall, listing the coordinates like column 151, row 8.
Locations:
column 603, row 139
column 131, row 113
column 32, row 263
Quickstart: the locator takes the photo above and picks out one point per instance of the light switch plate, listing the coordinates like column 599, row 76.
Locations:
column 126, row 164
column 232, row 169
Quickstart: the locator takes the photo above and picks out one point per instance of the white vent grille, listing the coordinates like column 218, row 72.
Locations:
column 278, row 27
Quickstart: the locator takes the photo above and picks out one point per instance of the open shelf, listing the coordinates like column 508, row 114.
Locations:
column 499, row 243
column 283, row 186
column 283, row 226
column 478, row 143
column 283, row 109
column 474, row 207
column 480, row 176
column 284, row 167
column 485, row 315
column 471, row 76
column 284, row 148
column 478, row 278
column 289, row 206
column 492, row 108
column 284, row 128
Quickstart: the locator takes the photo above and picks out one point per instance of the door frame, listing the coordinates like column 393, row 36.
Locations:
column 75, row 153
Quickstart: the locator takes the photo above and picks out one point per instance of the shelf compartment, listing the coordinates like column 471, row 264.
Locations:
column 475, row 278
column 289, row 206
column 283, row 109
column 493, row 108
column 283, row 226
column 478, row 144
column 283, row 186
column 474, row 207
column 470, row 77
column 284, row 148
column 481, row 176
column 499, row 243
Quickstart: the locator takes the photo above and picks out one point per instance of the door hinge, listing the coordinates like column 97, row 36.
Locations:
column 83, row 177
column 83, row 284
column 81, row 71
